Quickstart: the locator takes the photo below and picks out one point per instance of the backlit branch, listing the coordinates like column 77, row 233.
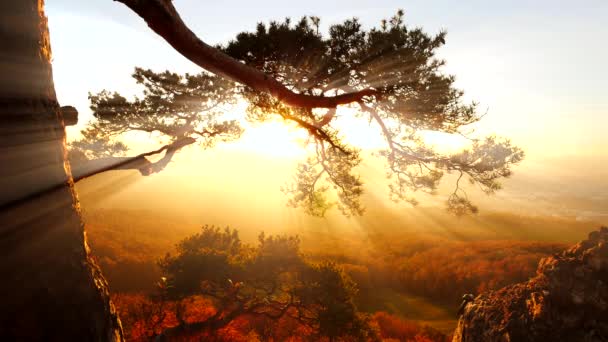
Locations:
column 328, row 166
column 417, row 168
column 289, row 69
column 162, row 17
column 88, row 168
column 185, row 109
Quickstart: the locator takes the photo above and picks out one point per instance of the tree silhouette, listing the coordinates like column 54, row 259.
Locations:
column 388, row 75
column 43, row 240
column 52, row 290
column 271, row 280
column 182, row 109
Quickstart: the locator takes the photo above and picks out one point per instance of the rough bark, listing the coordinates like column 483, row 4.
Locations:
column 51, row 289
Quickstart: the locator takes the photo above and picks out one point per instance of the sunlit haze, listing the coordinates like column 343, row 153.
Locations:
column 536, row 70
column 387, row 170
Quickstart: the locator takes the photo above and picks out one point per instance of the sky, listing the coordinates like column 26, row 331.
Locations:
column 536, row 67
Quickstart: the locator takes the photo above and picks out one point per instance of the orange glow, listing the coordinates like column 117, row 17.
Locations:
column 276, row 138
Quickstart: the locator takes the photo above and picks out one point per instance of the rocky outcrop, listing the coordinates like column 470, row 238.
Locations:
column 567, row 300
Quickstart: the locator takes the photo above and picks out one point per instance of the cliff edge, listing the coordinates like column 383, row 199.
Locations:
column 567, row 300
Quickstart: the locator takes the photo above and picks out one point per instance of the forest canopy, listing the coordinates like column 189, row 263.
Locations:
column 270, row 282
column 408, row 275
column 388, row 76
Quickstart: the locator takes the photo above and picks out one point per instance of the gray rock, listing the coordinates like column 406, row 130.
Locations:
column 565, row 301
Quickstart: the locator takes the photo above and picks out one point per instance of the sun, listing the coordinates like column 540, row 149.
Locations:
column 444, row 142
column 275, row 138
column 279, row 138
column 284, row 139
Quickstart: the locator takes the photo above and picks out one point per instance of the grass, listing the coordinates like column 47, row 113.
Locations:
column 410, row 307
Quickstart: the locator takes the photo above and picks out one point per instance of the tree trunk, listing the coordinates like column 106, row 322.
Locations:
column 50, row 289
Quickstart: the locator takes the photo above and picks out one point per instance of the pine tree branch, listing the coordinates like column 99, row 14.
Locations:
column 162, row 17
column 93, row 167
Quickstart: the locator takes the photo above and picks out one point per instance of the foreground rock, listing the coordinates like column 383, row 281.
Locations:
column 567, row 300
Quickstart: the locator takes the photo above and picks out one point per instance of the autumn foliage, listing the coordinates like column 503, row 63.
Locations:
column 143, row 318
column 444, row 270
column 393, row 328
column 215, row 285
column 435, row 269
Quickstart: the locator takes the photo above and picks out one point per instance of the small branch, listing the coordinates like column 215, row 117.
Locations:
column 394, row 146
column 315, row 131
column 207, row 133
column 69, row 115
column 387, row 133
column 162, row 17
column 140, row 162
column 330, row 115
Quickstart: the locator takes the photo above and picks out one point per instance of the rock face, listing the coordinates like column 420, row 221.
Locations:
column 567, row 300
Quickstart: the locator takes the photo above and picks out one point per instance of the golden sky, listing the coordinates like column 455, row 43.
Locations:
column 537, row 68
